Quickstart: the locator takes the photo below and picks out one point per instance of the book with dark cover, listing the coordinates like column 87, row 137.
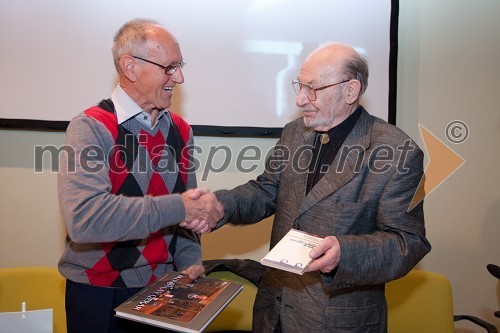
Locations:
column 291, row 253
column 178, row 303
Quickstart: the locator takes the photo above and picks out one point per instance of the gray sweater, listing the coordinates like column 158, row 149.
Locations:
column 116, row 189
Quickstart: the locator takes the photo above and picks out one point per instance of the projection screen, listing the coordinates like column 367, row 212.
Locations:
column 241, row 56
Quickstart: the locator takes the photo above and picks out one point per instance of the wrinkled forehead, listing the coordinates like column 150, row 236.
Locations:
column 318, row 69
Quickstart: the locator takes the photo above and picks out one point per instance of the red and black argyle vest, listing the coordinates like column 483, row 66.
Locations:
column 119, row 256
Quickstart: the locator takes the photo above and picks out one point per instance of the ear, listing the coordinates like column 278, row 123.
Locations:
column 127, row 66
column 352, row 92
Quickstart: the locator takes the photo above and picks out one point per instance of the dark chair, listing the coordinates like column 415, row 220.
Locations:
column 422, row 301
column 495, row 271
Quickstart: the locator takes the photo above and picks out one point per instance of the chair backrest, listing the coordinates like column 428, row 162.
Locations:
column 420, row 302
column 237, row 316
column 40, row 287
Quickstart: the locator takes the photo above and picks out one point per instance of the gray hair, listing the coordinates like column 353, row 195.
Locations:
column 356, row 67
column 131, row 39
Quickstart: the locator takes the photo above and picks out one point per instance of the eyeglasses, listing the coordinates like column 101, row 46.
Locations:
column 169, row 70
column 309, row 90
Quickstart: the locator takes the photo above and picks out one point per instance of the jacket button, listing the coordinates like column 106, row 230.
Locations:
column 278, row 299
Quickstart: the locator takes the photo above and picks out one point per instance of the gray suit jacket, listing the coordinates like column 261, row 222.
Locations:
column 363, row 200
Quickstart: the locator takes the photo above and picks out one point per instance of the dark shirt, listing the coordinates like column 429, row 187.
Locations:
column 324, row 153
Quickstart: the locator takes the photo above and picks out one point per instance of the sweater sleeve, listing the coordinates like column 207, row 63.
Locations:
column 92, row 214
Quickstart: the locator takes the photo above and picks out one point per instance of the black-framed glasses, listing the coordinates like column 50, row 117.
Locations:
column 309, row 90
column 169, row 70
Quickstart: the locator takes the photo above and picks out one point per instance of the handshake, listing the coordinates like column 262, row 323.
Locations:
column 203, row 210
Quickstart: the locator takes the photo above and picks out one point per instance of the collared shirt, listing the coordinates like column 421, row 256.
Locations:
column 324, row 153
column 126, row 108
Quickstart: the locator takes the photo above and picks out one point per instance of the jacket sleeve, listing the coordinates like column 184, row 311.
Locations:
column 255, row 200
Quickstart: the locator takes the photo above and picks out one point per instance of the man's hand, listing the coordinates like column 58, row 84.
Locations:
column 326, row 255
column 194, row 271
column 203, row 210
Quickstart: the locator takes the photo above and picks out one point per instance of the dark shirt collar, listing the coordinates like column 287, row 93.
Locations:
column 341, row 131
column 324, row 153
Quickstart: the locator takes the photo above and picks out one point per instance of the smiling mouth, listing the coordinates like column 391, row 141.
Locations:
column 169, row 89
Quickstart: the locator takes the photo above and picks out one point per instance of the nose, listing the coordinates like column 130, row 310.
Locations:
column 178, row 76
column 301, row 98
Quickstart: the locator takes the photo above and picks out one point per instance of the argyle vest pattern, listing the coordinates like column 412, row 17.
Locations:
column 123, row 174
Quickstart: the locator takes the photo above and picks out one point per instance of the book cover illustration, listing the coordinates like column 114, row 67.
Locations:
column 291, row 253
column 180, row 299
column 177, row 302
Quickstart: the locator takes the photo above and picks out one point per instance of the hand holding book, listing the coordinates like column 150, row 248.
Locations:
column 300, row 252
column 326, row 255
column 291, row 253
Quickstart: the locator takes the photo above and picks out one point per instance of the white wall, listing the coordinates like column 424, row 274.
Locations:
column 448, row 70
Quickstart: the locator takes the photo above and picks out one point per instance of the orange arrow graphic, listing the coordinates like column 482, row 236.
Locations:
column 443, row 161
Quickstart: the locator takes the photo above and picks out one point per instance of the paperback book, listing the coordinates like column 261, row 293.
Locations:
column 178, row 303
column 291, row 253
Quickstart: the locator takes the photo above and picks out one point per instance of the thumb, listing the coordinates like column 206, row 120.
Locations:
column 319, row 250
column 194, row 194
column 198, row 192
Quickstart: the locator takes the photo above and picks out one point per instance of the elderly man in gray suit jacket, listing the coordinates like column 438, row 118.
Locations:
column 349, row 177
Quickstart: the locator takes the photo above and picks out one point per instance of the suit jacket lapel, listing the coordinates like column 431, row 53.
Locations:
column 301, row 164
column 345, row 165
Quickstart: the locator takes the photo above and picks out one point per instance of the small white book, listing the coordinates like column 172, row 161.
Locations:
column 291, row 254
